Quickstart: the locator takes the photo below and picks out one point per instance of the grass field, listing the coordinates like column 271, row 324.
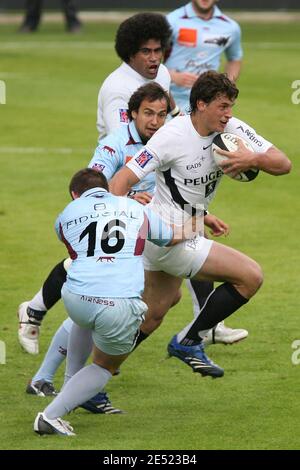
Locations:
column 47, row 133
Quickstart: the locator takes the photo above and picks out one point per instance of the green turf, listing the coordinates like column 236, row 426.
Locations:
column 52, row 83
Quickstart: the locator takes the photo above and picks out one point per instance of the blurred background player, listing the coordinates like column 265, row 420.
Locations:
column 147, row 110
column 34, row 11
column 201, row 33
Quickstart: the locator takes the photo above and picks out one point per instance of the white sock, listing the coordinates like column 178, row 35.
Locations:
column 37, row 302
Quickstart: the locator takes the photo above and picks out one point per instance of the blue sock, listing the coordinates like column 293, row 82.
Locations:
column 55, row 355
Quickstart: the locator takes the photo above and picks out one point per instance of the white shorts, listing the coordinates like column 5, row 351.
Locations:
column 182, row 260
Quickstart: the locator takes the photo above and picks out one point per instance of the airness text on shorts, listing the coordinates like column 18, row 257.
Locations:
column 97, row 300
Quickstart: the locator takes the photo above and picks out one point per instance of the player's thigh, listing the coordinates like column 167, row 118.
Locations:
column 227, row 264
column 161, row 290
column 108, row 361
column 116, row 326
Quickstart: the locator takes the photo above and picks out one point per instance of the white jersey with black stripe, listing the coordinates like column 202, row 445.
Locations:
column 186, row 174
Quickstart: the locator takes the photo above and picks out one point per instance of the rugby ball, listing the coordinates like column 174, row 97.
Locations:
column 228, row 141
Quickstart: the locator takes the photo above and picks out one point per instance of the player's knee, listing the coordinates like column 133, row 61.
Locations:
column 158, row 312
column 152, row 321
column 158, row 308
column 255, row 278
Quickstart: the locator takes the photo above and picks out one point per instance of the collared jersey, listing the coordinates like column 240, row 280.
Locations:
column 105, row 237
column 116, row 91
column 186, row 173
column 117, row 149
column 197, row 45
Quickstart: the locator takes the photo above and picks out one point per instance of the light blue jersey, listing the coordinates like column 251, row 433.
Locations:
column 117, row 149
column 197, row 45
column 105, row 237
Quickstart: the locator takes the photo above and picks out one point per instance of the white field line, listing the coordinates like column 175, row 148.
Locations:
column 56, row 45
column 273, row 45
column 110, row 45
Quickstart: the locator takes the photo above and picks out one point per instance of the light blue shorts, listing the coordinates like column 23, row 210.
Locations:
column 115, row 322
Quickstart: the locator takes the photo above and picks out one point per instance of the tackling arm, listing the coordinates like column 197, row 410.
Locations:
column 123, row 181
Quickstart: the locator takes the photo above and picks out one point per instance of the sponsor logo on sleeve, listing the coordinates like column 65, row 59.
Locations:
column 143, row 158
column 123, row 113
column 109, row 150
column 251, row 136
column 98, row 167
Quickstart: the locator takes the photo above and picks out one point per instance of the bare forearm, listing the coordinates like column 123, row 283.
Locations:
column 122, row 182
column 119, row 188
column 273, row 162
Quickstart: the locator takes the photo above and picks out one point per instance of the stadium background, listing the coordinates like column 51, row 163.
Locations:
column 158, row 4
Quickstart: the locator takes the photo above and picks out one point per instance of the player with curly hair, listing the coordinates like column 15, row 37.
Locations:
column 140, row 42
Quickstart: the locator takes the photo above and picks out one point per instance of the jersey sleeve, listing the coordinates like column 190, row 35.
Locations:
column 156, row 154
column 159, row 232
column 164, row 78
column 143, row 163
column 106, row 158
column 235, row 51
column 258, row 143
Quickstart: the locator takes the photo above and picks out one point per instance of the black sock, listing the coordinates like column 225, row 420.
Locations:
column 224, row 300
column 202, row 289
column 141, row 337
column 53, row 284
